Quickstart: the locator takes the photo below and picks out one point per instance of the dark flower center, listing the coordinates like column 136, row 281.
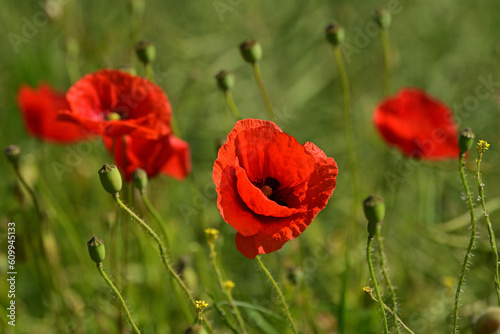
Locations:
column 270, row 187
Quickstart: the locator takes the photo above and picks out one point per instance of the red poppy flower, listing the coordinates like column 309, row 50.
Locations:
column 419, row 125
column 167, row 155
column 269, row 186
column 114, row 103
column 40, row 108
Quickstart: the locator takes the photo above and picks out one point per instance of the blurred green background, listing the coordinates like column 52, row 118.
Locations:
column 448, row 48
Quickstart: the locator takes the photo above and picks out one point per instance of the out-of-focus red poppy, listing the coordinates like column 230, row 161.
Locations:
column 114, row 103
column 269, row 186
column 167, row 155
column 419, row 125
column 40, row 108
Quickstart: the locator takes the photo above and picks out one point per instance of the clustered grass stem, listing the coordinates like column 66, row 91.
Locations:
column 279, row 292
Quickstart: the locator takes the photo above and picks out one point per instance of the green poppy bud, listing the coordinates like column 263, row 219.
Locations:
column 465, row 140
column 140, row 178
column 96, row 249
column 12, row 152
column 374, row 208
column 383, row 17
column 225, row 80
column 488, row 322
column 146, row 52
column 251, row 51
column 335, row 33
column 111, row 179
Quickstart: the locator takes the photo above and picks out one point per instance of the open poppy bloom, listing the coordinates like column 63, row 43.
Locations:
column 114, row 103
column 419, row 125
column 167, row 155
column 269, row 186
column 40, row 108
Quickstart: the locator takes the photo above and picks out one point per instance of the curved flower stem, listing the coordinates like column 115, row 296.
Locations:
column 387, row 279
column 232, row 106
column 263, row 92
column 163, row 254
column 386, row 49
column 374, row 279
column 227, row 292
column 472, row 241
column 119, row 297
column 156, row 216
column 31, row 193
column 278, row 291
column 488, row 223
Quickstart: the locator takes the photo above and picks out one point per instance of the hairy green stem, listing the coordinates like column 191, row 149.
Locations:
column 491, row 234
column 232, row 106
column 472, row 241
column 383, row 266
column 374, row 279
column 156, row 216
column 119, row 297
column 163, row 254
column 278, row 291
column 263, row 91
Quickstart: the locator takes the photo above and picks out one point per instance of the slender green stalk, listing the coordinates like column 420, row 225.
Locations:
column 119, row 297
column 278, row 291
column 387, row 279
column 386, row 49
column 227, row 292
column 163, row 254
column 472, row 241
column 388, row 309
column 149, row 73
column 263, row 91
column 491, row 234
column 344, row 82
column 156, row 216
column 374, row 279
column 232, row 106
column 31, row 193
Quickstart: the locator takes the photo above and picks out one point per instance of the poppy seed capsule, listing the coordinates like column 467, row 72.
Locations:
column 225, row 80
column 374, row 208
column 251, row 51
column 335, row 33
column 146, row 52
column 383, row 17
column 488, row 322
column 97, row 250
column 465, row 140
column 140, row 178
column 12, row 152
column 111, row 179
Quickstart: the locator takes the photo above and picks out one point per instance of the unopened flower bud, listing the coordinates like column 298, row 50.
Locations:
column 225, row 80
column 96, row 249
column 383, row 17
column 335, row 33
column 111, row 179
column 140, row 178
column 465, row 140
column 146, row 52
column 374, row 208
column 195, row 329
column 251, row 51
column 488, row 322
column 12, row 152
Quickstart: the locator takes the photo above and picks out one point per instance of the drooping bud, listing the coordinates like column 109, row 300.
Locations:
column 111, row 179
column 146, row 52
column 465, row 140
column 335, row 33
column 383, row 17
column 251, row 51
column 225, row 80
column 140, row 178
column 488, row 322
column 12, row 152
column 96, row 249
column 374, row 209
